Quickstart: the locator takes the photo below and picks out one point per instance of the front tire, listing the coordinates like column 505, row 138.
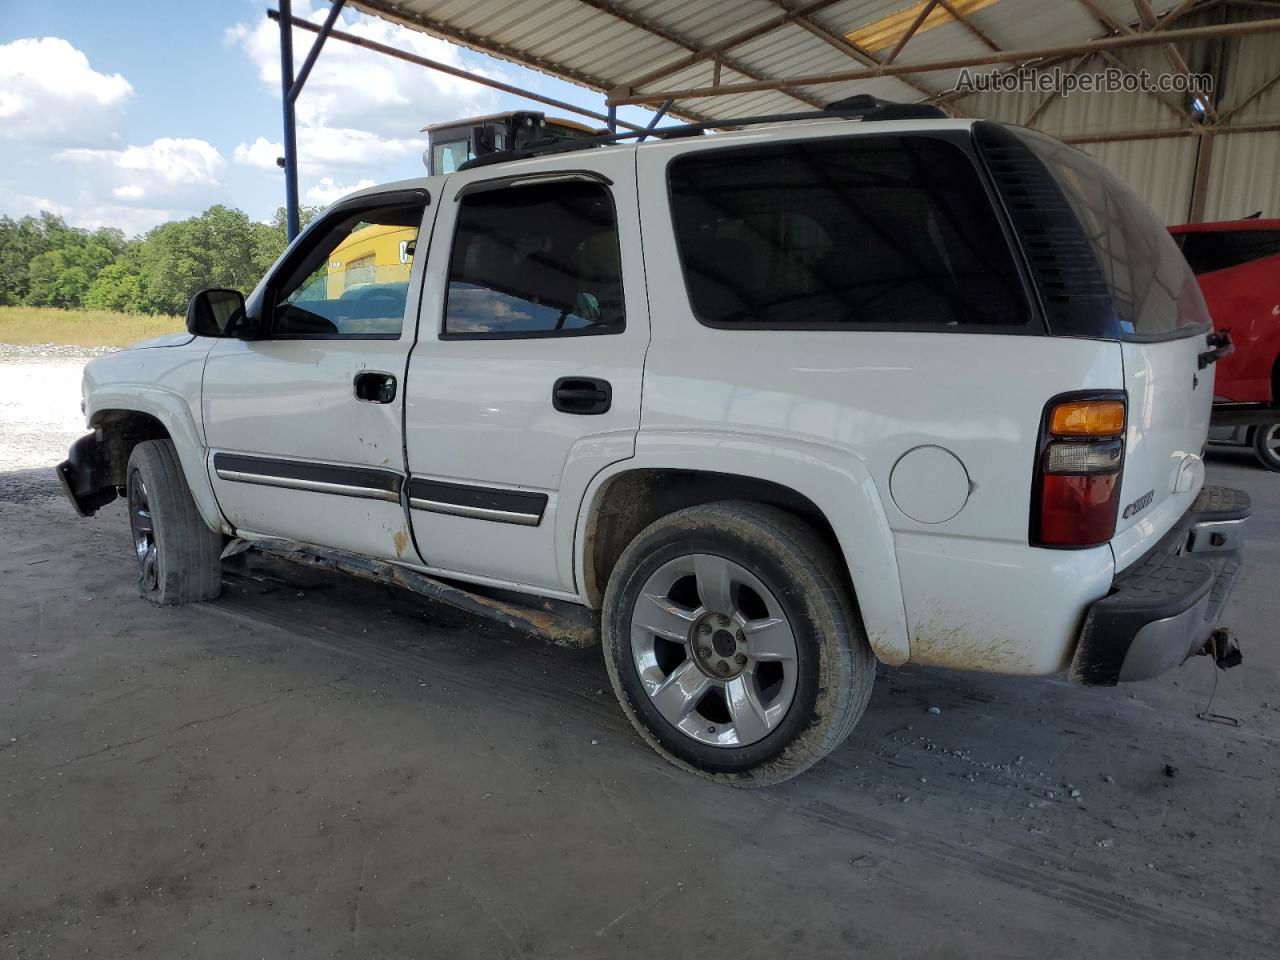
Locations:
column 732, row 643
column 179, row 558
column 1266, row 445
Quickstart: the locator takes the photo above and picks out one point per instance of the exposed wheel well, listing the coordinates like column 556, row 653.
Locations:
column 631, row 501
column 119, row 431
column 1275, row 381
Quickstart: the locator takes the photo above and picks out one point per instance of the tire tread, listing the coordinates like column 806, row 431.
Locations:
column 190, row 560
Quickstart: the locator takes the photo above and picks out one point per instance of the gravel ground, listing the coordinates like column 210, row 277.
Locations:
column 39, row 414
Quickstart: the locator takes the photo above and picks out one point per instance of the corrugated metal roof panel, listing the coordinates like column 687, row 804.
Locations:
column 1243, row 177
column 1159, row 171
column 612, row 43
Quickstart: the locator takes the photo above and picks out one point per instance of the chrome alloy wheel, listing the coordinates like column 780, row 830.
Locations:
column 714, row 650
column 144, row 534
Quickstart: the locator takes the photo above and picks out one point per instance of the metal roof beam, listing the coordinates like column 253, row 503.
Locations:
column 1249, row 98
column 485, row 45
column 1119, row 28
column 846, row 46
column 968, row 24
column 1055, row 94
column 1176, row 60
column 910, row 31
column 718, row 50
column 1105, row 44
column 446, row 68
column 1218, row 130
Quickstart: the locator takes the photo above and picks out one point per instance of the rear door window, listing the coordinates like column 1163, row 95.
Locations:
column 884, row 232
column 1211, row 250
column 536, row 260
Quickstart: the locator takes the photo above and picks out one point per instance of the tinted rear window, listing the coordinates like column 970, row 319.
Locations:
column 879, row 231
column 1211, row 250
column 1154, row 292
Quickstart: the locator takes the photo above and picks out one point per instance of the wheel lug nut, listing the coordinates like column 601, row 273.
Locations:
column 705, row 628
column 722, row 667
column 723, row 620
column 704, row 652
column 740, row 659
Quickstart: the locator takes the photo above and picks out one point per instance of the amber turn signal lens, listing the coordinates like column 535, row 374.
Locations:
column 1087, row 418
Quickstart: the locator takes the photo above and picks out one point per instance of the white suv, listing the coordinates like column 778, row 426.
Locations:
column 778, row 403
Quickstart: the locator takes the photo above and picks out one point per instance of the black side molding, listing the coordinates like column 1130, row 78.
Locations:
column 478, row 502
column 344, row 481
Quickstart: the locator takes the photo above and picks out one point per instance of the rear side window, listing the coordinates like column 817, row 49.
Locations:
column 1211, row 250
column 865, row 231
column 534, row 261
column 1154, row 293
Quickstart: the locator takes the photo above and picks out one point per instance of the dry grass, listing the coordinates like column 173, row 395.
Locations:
column 81, row 328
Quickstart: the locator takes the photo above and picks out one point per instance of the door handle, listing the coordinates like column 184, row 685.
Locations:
column 374, row 386
column 582, row 395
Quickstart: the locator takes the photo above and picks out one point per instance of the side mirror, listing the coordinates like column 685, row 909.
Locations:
column 215, row 313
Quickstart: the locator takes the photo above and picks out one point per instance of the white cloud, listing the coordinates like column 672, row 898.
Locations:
column 50, row 95
column 132, row 220
column 262, row 153
column 168, row 172
column 25, row 204
column 327, row 191
column 359, row 109
column 322, row 148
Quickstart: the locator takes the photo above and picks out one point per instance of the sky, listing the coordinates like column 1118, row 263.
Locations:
column 132, row 113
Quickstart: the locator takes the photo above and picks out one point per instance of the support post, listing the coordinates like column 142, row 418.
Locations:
column 612, row 119
column 657, row 118
column 290, row 128
column 1200, row 185
column 316, row 46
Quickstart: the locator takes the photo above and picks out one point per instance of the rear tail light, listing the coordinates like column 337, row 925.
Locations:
column 1076, row 489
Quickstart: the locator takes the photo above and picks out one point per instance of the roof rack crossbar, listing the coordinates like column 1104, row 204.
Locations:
column 862, row 107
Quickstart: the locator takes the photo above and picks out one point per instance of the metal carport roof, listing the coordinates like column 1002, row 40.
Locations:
column 650, row 49
column 711, row 60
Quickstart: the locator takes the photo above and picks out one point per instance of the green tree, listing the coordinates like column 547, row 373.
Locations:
column 116, row 287
column 61, row 277
column 21, row 241
column 45, row 262
column 220, row 248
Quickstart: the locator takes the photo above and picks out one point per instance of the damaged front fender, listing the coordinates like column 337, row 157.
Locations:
column 84, row 476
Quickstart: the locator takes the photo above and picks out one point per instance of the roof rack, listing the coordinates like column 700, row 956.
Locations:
column 862, row 107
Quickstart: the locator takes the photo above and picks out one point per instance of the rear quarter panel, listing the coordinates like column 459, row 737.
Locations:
column 974, row 594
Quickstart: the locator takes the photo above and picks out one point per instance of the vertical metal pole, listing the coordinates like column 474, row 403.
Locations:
column 612, row 123
column 290, row 130
column 1200, row 182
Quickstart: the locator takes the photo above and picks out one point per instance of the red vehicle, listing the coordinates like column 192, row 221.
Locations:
column 1237, row 263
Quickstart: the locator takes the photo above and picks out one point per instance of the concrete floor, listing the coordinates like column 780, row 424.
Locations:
column 314, row 767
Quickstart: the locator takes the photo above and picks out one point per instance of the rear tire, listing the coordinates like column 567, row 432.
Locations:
column 179, row 558
column 732, row 643
column 1266, row 445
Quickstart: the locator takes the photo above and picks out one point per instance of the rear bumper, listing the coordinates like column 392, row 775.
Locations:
column 1163, row 609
